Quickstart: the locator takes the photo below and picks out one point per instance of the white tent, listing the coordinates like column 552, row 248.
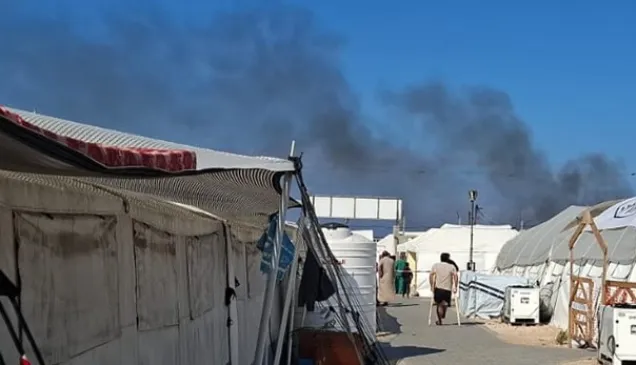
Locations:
column 387, row 243
column 455, row 240
column 542, row 254
column 408, row 246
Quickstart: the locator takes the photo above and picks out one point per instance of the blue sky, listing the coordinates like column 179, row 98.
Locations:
column 568, row 66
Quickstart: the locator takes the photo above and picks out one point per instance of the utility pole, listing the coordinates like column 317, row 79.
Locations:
column 472, row 196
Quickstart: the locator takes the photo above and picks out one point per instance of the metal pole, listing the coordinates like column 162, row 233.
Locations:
column 268, row 300
column 396, row 240
column 233, row 307
column 287, row 308
column 290, row 333
column 472, row 225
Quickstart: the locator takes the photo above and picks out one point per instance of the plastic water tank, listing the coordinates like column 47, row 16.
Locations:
column 356, row 255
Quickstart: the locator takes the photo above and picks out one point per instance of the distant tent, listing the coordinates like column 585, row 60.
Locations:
column 455, row 239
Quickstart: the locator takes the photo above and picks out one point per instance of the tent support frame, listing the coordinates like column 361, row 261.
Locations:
column 585, row 220
column 268, row 298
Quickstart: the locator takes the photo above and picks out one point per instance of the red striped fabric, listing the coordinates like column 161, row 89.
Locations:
column 116, row 157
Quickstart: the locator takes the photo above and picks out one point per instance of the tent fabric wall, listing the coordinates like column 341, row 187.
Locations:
column 112, row 257
column 69, row 275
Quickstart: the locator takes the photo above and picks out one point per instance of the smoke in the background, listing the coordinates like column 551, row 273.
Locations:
column 480, row 126
column 250, row 82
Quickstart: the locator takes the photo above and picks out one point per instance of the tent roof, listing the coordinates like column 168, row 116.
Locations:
column 457, row 237
column 54, row 143
column 550, row 241
column 535, row 244
column 231, row 186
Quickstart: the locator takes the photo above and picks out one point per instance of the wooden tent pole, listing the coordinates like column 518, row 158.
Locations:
column 601, row 242
column 577, row 233
column 585, row 220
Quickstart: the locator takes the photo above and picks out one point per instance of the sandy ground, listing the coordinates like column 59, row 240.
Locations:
column 541, row 336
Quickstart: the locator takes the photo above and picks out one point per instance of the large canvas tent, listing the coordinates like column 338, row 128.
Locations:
column 125, row 246
column 541, row 253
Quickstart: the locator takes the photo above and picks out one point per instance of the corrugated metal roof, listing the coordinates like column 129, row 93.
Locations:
column 206, row 158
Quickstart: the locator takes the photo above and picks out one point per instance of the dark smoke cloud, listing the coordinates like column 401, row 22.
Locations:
column 252, row 81
column 480, row 124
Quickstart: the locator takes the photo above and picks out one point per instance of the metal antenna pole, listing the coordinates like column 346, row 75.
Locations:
column 472, row 195
column 472, row 235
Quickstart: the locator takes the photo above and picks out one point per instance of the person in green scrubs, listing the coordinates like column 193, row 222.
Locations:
column 400, row 280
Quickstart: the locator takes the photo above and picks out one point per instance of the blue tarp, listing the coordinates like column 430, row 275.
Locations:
column 266, row 245
column 482, row 295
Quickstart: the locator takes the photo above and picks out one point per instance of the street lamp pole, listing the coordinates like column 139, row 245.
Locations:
column 472, row 195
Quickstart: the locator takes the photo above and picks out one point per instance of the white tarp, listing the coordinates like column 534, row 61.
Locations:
column 482, row 295
column 620, row 215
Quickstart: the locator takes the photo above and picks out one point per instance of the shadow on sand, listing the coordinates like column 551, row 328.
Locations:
column 388, row 324
column 397, row 353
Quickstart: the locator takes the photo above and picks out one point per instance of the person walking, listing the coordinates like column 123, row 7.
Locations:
column 443, row 281
column 386, row 279
column 407, row 275
column 400, row 287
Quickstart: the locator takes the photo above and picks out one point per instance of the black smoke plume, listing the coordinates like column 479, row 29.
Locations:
column 251, row 81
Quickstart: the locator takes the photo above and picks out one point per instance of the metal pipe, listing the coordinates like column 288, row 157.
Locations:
column 290, row 333
column 12, row 331
column 287, row 312
column 472, row 225
column 268, row 300
column 233, row 307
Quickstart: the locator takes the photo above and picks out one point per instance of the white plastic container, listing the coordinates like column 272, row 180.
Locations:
column 356, row 255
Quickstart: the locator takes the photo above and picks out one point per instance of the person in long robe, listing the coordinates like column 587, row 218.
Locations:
column 386, row 279
column 400, row 282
